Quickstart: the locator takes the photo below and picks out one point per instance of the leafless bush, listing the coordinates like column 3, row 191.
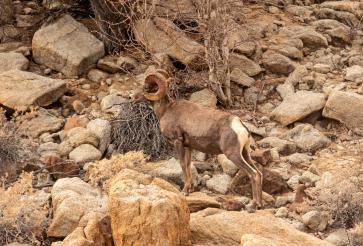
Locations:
column 138, row 129
column 15, row 151
column 23, row 213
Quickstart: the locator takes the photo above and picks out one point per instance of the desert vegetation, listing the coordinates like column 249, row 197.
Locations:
column 82, row 162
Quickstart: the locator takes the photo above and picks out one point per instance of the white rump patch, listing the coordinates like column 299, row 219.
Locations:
column 240, row 130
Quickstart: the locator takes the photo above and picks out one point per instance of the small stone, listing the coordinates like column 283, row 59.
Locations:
column 228, row 166
column 281, row 201
column 293, row 182
column 97, row 76
column 277, row 63
column 219, row 183
column 262, row 156
column 284, row 146
column 308, row 177
column 322, row 68
column 241, row 78
column 110, row 101
column 102, row 129
column 315, row 220
column 299, row 158
column 12, row 60
column 86, row 86
column 78, row 106
column 338, row 238
column 354, row 73
column 85, row 153
column 285, row 89
column 282, row 212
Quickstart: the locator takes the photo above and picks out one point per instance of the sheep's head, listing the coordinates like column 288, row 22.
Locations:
column 156, row 85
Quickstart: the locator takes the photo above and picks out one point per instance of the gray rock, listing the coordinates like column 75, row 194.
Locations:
column 315, row 220
column 85, row 153
column 284, row 147
column 306, row 137
column 19, row 90
column 47, row 149
column 97, row 76
column 244, row 64
column 281, row 201
column 354, row 73
column 307, row 35
column 293, row 182
column 309, row 177
column 297, row 75
column 102, row 129
column 277, row 63
column 338, row 238
column 111, row 101
column 205, row 98
column 298, row 158
column 12, row 60
column 285, row 89
column 160, row 35
column 75, row 137
column 219, row 183
column 297, row 106
column 282, row 212
column 127, row 63
column 170, row 170
column 228, row 166
column 42, row 123
column 241, row 78
column 66, row 46
column 345, row 107
column 322, row 68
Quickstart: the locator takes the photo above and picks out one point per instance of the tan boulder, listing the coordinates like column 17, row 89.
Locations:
column 218, row 227
column 199, row 201
column 19, row 89
column 73, row 198
column 146, row 209
column 159, row 35
column 66, row 46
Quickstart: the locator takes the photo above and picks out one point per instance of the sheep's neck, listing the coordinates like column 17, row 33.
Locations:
column 160, row 107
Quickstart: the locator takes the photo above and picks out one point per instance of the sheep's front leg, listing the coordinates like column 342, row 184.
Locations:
column 184, row 158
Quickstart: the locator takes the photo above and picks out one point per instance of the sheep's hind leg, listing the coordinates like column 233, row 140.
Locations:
column 183, row 154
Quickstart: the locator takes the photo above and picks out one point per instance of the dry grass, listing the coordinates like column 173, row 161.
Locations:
column 100, row 172
column 15, row 151
column 23, row 213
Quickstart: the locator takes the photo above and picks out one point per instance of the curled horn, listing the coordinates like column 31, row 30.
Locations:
column 160, row 78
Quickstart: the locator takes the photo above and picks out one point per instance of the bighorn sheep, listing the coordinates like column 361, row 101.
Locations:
column 190, row 126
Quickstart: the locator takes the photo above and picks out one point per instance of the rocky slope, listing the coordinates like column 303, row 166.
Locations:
column 296, row 72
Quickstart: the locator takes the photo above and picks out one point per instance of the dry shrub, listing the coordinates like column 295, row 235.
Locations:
column 15, row 151
column 23, row 213
column 356, row 235
column 340, row 192
column 138, row 129
column 100, row 171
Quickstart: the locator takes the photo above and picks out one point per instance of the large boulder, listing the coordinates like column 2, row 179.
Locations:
column 43, row 122
column 102, row 129
column 297, row 106
column 246, row 65
column 76, row 137
column 345, row 107
column 12, row 60
column 66, row 46
column 218, row 227
column 146, row 209
column 72, row 199
column 306, row 137
column 19, row 90
column 159, row 35
column 354, row 7
column 277, row 63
